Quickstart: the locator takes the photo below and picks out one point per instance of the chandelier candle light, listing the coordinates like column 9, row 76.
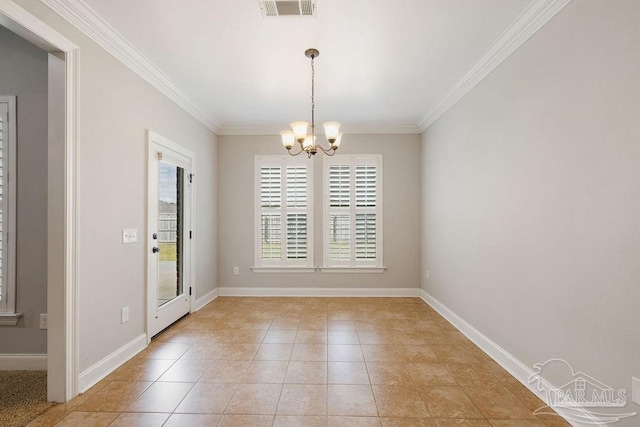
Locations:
column 298, row 130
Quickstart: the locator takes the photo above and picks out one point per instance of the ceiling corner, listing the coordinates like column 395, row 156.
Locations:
column 534, row 17
column 85, row 19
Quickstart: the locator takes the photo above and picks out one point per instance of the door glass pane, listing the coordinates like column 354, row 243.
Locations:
column 170, row 231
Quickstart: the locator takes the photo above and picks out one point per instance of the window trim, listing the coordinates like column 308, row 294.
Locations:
column 357, row 269
column 283, row 265
column 353, row 266
column 8, row 315
column 292, row 270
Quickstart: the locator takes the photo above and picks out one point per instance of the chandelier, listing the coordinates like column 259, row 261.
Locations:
column 298, row 130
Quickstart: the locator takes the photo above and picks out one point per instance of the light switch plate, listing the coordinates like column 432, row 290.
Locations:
column 635, row 390
column 129, row 235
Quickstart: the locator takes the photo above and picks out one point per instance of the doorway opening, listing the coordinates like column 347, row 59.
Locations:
column 61, row 357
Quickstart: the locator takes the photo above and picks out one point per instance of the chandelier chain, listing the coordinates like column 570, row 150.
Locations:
column 313, row 101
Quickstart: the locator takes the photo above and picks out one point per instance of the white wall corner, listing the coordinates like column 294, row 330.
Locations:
column 23, row 362
column 239, row 291
column 205, row 299
column 515, row 367
column 534, row 17
column 89, row 377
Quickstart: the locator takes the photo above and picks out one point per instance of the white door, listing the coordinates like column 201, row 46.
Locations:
column 169, row 233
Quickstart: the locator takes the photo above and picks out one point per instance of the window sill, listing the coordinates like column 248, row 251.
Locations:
column 357, row 270
column 9, row 319
column 283, row 269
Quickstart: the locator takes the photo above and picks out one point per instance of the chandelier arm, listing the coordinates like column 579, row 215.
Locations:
column 296, row 154
column 330, row 152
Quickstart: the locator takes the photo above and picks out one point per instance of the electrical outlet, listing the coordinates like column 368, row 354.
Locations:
column 124, row 315
column 426, row 274
column 236, row 271
column 44, row 321
column 635, row 390
column 129, row 235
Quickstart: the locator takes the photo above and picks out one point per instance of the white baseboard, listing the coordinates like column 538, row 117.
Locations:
column 515, row 367
column 206, row 299
column 317, row 292
column 89, row 377
column 23, row 362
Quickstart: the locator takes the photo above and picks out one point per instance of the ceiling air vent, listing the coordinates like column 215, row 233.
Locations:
column 273, row 8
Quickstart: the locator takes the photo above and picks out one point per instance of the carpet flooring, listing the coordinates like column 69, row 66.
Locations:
column 23, row 396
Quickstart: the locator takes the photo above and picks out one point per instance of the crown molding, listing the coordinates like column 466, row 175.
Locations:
column 538, row 13
column 79, row 14
column 379, row 129
column 250, row 130
column 350, row 129
column 85, row 19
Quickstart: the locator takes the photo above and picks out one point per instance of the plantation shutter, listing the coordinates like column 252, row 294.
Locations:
column 296, row 213
column 7, row 206
column 339, row 186
column 339, row 217
column 270, row 185
column 353, row 211
column 297, row 187
column 283, row 187
column 366, row 184
column 270, row 204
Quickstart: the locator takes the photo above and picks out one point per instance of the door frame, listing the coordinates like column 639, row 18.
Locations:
column 62, row 273
column 155, row 140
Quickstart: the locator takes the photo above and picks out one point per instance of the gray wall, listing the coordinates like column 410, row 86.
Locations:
column 531, row 210
column 116, row 108
column 23, row 72
column 401, row 187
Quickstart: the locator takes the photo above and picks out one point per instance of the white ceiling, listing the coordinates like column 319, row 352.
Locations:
column 381, row 63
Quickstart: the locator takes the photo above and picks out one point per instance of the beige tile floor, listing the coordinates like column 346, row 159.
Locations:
column 307, row 362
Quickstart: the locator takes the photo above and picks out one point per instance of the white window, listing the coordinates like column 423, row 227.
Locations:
column 353, row 213
column 283, row 217
column 7, row 210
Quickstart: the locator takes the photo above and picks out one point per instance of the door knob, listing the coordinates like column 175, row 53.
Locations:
column 155, row 250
